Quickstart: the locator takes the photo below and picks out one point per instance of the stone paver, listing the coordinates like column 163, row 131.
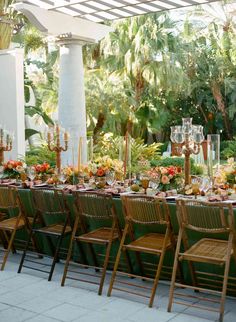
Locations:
column 30, row 297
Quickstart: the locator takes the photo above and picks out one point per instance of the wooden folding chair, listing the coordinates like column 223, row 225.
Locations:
column 143, row 210
column 51, row 220
column 96, row 208
column 209, row 220
column 15, row 221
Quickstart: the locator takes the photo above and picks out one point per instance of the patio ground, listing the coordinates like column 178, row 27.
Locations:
column 30, row 297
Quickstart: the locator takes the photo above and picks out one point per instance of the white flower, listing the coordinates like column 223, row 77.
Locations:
column 19, row 169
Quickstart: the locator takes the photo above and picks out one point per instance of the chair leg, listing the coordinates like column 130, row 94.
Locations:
column 3, row 239
column 106, row 261
column 8, row 249
column 55, row 257
column 225, row 280
column 179, row 269
column 13, row 249
column 157, row 277
column 25, row 251
column 175, row 266
column 67, row 261
column 117, row 260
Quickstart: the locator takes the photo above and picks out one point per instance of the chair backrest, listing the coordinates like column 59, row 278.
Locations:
column 48, row 201
column 8, row 198
column 94, row 205
column 146, row 210
column 205, row 217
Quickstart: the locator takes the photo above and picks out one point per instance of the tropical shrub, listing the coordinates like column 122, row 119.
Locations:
column 40, row 154
column 228, row 149
column 108, row 144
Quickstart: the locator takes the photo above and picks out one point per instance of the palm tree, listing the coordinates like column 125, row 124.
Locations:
column 210, row 62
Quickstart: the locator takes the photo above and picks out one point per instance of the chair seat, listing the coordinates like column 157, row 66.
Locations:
column 9, row 224
column 149, row 243
column 207, row 250
column 100, row 236
column 53, row 229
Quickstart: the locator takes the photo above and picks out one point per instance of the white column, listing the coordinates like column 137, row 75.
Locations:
column 12, row 98
column 72, row 111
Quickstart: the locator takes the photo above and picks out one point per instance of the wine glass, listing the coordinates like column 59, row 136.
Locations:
column 62, row 177
column 205, row 185
column 154, row 183
column 1, row 171
column 110, row 178
column 195, row 186
column 31, row 173
column 145, row 182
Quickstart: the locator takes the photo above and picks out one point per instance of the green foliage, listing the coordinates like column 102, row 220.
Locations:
column 30, row 132
column 44, row 89
column 36, row 110
column 228, row 149
column 113, row 146
column 177, row 162
column 166, row 70
column 166, row 162
column 39, row 155
column 197, row 170
column 151, row 71
column 142, row 151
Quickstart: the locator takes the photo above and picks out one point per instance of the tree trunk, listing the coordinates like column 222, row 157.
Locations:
column 215, row 87
column 139, row 86
column 99, row 126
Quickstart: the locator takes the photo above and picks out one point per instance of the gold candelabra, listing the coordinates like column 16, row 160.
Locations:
column 5, row 144
column 189, row 138
column 54, row 144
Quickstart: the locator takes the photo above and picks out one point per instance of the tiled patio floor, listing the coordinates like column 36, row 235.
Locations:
column 30, row 297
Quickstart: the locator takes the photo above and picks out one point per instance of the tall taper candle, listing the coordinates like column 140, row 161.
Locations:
column 79, row 153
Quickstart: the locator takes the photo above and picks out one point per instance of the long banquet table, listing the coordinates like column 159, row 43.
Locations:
column 26, row 199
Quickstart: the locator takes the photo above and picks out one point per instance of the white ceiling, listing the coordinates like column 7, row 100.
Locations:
column 100, row 10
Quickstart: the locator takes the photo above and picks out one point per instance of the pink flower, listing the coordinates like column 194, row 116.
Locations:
column 165, row 179
column 163, row 170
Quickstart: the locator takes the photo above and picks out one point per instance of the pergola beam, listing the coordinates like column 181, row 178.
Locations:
column 101, row 10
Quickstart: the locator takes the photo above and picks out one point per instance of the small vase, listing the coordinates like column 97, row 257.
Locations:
column 100, row 182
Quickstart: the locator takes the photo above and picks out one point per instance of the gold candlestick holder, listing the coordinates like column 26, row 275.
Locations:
column 54, row 144
column 5, row 144
column 189, row 138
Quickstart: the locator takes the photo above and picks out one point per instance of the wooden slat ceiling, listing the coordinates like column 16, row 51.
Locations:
column 100, row 10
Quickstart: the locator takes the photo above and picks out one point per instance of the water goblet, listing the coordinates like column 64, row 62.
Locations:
column 196, row 186
column 145, row 182
column 1, row 171
column 110, row 178
column 62, row 177
column 154, row 183
column 205, row 185
column 31, row 173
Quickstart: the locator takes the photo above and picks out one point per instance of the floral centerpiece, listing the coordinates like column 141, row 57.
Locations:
column 226, row 173
column 71, row 174
column 168, row 177
column 13, row 169
column 43, row 171
column 100, row 166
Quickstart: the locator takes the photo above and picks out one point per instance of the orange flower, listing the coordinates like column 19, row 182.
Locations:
column 11, row 164
column 100, row 172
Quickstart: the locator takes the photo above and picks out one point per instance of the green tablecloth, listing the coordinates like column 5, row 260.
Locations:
column 26, row 198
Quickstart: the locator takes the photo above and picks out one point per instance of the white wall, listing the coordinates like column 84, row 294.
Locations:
column 12, row 98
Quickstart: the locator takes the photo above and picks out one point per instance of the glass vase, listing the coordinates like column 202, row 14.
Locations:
column 213, row 155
